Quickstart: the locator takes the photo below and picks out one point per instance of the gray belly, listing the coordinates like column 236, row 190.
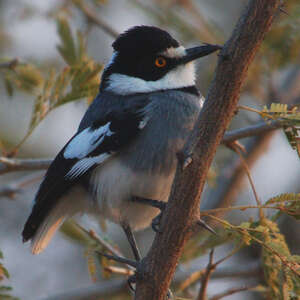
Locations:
column 115, row 183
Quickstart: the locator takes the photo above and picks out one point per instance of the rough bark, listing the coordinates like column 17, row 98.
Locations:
column 157, row 269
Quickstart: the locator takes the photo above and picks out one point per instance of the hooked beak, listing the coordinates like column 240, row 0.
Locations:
column 200, row 51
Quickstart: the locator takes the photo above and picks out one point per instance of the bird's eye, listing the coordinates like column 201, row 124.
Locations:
column 160, row 62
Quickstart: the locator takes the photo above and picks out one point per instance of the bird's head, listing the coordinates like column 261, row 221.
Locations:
column 148, row 59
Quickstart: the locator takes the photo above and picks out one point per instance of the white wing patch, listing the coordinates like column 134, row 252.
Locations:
column 86, row 142
column 85, row 164
column 82, row 145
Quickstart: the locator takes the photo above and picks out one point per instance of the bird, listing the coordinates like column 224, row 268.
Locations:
column 121, row 162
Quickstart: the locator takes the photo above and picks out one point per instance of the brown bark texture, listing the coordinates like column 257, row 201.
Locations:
column 157, row 268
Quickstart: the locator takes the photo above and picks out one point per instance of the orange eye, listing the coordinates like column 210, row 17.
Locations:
column 160, row 62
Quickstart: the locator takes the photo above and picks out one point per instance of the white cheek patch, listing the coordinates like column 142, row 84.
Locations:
column 172, row 52
column 182, row 76
column 86, row 142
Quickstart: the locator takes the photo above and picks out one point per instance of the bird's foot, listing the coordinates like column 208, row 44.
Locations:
column 156, row 223
column 132, row 280
column 120, row 259
column 132, row 263
column 154, row 203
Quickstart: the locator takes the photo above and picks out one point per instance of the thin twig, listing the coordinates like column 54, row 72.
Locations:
column 119, row 270
column 108, row 289
column 231, row 292
column 105, row 244
column 207, row 212
column 11, row 189
column 247, row 170
column 292, row 266
column 253, row 130
column 204, row 280
column 100, row 241
column 251, row 270
column 211, row 267
column 12, row 165
column 93, row 18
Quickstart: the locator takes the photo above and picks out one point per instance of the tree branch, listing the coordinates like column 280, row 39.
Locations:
column 253, row 130
column 231, row 292
column 93, row 18
column 205, row 278
column 10, row 190
column 157, row 269
column 12, row 165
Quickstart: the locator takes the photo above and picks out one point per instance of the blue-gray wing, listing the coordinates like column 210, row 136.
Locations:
column 109, row 124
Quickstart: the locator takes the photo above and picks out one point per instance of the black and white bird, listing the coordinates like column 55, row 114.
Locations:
column 124, row 152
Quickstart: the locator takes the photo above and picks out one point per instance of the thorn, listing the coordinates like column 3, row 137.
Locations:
column 283, row 11
column 205, row 226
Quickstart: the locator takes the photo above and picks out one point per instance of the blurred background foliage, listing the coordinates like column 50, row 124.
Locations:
column 263, row 232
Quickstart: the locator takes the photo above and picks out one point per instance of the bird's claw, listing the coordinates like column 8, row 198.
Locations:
column 156, row 223
column 132, row 280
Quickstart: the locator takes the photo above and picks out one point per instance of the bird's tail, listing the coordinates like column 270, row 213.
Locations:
column 42, row 224
column 40, row 229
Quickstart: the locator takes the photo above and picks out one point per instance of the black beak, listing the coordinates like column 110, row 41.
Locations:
column 200, row 51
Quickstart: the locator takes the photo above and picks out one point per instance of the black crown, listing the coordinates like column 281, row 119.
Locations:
column 144, row 39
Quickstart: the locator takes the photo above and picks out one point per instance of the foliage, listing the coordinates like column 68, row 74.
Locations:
column 286, row 203
column 77, row 80
column 92, row 245
column 283, row 41
column 281, row 268
column 5, row 290
column 289, row 117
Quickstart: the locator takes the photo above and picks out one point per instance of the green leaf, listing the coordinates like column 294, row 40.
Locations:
column 280, row 278
column 204, row 242
column 288, row 203
column 5, row 288
column 67, row 47
column 26, row 77
column 3, row 271
column 76, row 233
